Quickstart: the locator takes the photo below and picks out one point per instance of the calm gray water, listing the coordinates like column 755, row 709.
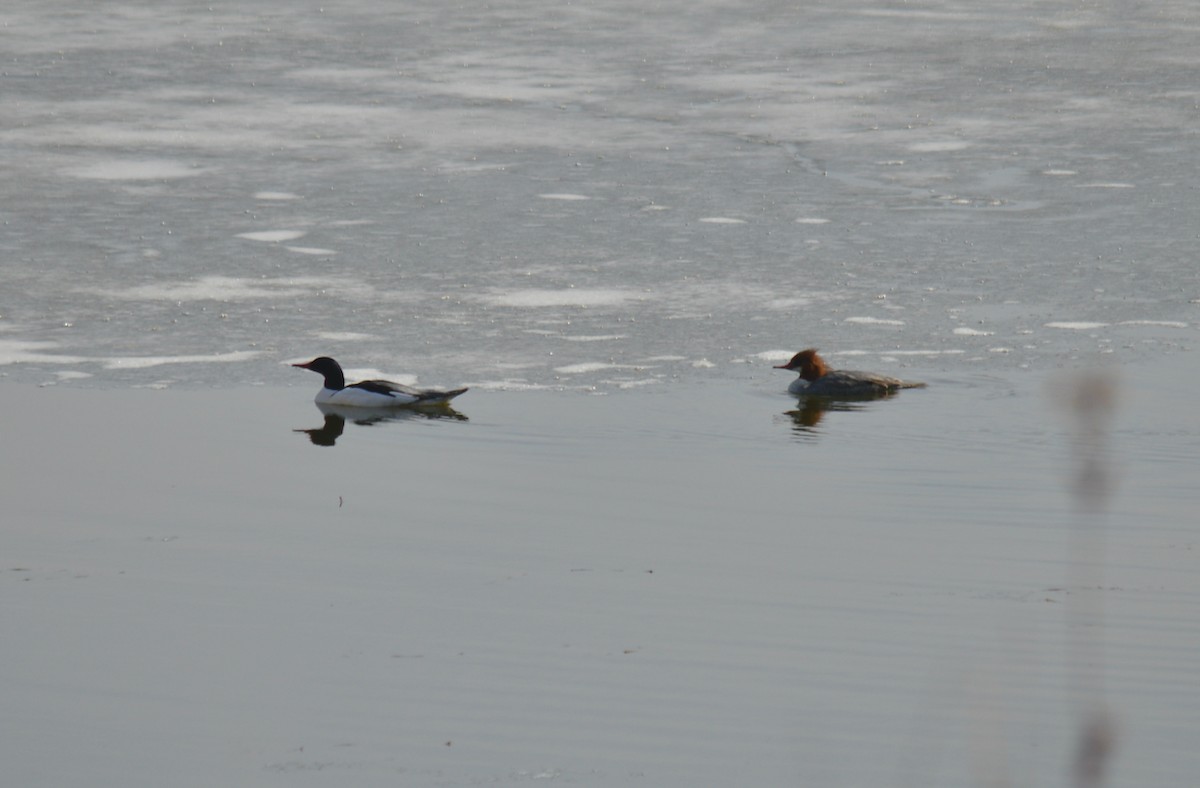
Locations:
column 642, row 589
column 635, row 561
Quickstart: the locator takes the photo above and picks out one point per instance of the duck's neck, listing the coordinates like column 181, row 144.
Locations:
column 335, row 380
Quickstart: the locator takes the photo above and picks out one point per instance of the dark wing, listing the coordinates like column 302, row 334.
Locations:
column 384, row 387
column 885, row 382
column 420, row 395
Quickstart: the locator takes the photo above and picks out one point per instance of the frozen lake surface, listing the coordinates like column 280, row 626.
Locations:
column 635, row 561
column 591, row 196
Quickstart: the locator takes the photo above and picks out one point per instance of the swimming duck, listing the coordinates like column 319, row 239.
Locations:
column 370, row 393
column 818, row 380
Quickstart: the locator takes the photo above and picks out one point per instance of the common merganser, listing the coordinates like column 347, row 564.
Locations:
column 818, row 380
column 370, row 393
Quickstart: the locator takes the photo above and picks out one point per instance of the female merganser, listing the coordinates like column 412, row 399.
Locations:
column 370, row 393
column 818, row 380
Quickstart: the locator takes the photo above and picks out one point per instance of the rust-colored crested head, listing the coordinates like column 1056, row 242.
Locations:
column 807, row 363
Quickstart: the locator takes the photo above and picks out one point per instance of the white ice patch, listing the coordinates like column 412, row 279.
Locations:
column 588, row 366
column 632, row 384
column 722, row 220
column 313, row 250
column 19, row 351
column 567, row 297
column 507, row 385
column 568, row 197
column 775, row 355
column 1077, row 325
column 342, row 336
column 788, row 303
column 274, row 236
column 1163, row 323
column 136, row 170
column 939, row 146
column 144, row 362
column 874, row 321
column 225, row 288
column 963, row 331
column 353, row 375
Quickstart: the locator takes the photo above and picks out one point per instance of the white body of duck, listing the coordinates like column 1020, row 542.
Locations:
column 370, row 393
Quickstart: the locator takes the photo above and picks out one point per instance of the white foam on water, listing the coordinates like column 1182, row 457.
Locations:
column 811, row 220
column 567, row 197
column 1076, row 325
column 1059, row 172
column 276, row 196
column 597, row 338
column 703, row 363
column 273, row 236
column 722, row 220
column 1105, row 186
column 963, row 331
column 144, row 362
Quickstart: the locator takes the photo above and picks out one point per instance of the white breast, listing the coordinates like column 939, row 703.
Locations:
column 360, row 398
column 798, row 386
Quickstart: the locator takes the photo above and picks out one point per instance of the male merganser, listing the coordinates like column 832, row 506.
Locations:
column 818, row 380
column 370, row 393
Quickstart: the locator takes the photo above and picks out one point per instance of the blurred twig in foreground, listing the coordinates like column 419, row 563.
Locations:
column 1090, row 399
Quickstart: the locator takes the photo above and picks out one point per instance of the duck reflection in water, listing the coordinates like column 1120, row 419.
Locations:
column 810, row 410
column 336, row 418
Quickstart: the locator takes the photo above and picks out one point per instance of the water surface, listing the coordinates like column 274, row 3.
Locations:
column 635, row 560
column 609, row 590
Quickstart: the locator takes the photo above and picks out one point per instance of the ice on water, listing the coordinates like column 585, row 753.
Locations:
column 667, row 195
